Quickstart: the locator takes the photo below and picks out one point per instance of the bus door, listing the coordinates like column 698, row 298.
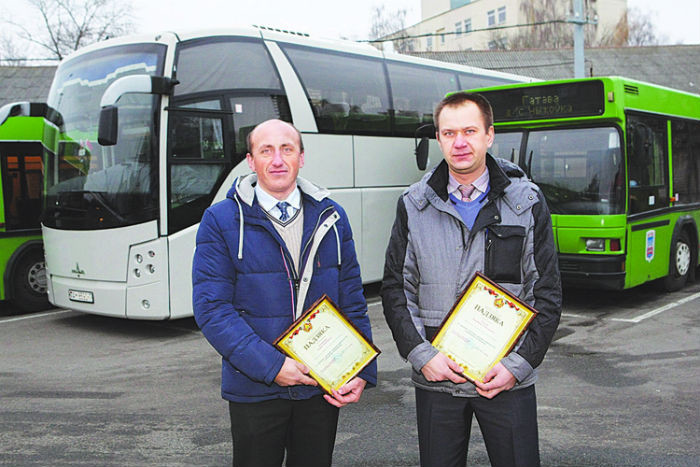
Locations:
column 21, row 252
column 22, row 183
column 650, row 228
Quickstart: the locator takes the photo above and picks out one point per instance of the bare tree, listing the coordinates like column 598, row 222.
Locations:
column 9, row 52
column 550, row 32
column 635, row 28
column 548, row 27
column 389, row 23
column 67, row 25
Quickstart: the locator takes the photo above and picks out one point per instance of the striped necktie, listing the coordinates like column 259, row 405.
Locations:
column 282, row 206
column 466, row 192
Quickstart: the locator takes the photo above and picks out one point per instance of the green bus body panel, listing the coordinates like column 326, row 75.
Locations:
column 29, row 129
column 17, row 130
column 645, row 241
column 641, row 268
column 8, row 245
column 572, row 231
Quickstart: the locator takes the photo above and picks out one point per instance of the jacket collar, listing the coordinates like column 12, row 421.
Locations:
column 244, row 188
column 434, row 184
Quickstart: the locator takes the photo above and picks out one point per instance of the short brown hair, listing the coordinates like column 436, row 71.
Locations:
column 458, row 98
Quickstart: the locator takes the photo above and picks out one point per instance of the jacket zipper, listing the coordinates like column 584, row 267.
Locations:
column 294, row 279
column 313, row 234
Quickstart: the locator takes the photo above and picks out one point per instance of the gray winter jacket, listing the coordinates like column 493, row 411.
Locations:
column 432, row 255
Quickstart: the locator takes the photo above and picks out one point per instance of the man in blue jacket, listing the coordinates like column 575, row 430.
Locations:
column 252, row 249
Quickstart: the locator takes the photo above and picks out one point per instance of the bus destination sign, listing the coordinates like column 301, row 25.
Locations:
column 548, row 101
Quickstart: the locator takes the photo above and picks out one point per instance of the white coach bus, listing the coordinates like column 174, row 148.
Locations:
column 173, row 112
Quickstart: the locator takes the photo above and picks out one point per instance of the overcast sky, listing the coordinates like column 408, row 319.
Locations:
column 677, row 20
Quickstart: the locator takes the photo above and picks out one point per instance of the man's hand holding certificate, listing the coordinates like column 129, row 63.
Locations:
column 482, row 327
column 332, row 349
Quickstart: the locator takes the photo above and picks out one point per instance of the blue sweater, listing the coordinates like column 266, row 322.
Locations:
column 468, row 210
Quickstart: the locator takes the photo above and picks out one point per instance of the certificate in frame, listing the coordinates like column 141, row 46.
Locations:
column 483, row 327
column 329, row 344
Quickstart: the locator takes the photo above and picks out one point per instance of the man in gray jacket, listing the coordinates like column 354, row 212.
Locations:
column 471, row 213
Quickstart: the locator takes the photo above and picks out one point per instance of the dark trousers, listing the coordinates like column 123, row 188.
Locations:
column 508, row 423
column 263, row 431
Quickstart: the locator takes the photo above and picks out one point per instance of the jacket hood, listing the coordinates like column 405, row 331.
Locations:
column 244, row 189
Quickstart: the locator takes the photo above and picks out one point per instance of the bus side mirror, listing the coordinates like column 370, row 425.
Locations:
column 108, row 126
column 422, row 153
column 422, row 147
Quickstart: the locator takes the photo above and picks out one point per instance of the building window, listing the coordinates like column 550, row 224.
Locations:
column 502, row 15
column 491, row 18
column 441, row 33
column 458, row 3
column 458, row 28
column 468, row 25
column 430, row 42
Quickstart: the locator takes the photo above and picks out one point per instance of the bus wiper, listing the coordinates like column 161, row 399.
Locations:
column 97, row 196
column 529, row 164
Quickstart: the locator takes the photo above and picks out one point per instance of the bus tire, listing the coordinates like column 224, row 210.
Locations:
column 29, row 282
column 680, row 262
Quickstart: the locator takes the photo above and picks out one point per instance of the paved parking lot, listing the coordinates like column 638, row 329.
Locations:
column 619, row 387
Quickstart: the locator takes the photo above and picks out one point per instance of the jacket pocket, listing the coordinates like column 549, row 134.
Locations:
column 504, row 249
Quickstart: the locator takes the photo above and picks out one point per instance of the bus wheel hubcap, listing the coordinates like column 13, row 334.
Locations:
column 682, row 258
column 37, row 277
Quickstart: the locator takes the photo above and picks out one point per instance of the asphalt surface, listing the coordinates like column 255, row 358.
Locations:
column 619, row 387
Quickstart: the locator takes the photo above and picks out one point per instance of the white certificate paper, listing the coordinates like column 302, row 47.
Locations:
column 482, row 327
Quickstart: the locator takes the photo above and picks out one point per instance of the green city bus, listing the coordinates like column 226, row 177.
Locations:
column 27, row 132
column 618, row 161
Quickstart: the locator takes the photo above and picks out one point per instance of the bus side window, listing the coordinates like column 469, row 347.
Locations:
column 348, row 93
column 473, row 81
column 416, row 90
column 685, row 147
column 249, row 110
column 197, row 164
column 647, row 163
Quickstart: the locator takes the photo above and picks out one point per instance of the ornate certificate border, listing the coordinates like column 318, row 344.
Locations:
column 329, row 344
column 483, row 327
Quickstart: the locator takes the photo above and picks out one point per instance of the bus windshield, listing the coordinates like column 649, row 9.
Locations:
column 89, row 186
column 580, row 170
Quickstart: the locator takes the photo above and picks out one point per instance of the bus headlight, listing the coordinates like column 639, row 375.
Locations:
column 595, row 244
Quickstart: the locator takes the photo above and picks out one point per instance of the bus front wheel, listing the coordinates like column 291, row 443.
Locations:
column 679, row 263
column 29, row 282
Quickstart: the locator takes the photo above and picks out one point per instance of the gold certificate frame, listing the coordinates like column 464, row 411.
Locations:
column 329, row 344
column 483, row 327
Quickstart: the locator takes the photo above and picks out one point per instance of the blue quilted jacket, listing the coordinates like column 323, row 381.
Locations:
column 245, row 287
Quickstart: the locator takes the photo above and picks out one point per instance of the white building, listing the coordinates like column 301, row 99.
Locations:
column 462, row 24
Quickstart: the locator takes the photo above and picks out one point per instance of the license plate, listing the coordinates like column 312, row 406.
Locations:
column 81, row 296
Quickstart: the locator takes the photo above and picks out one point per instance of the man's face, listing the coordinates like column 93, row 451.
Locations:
column 463, row 139
column 276, row 157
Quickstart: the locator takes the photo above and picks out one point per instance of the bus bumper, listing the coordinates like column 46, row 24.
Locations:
column 593, row 271
column 146, row 301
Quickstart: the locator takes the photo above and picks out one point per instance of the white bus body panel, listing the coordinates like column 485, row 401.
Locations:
column 123, row 269
column 328, row 160
column 181, row 246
